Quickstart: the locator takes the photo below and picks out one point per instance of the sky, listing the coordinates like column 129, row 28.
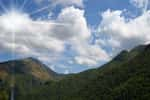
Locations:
column 71, row 36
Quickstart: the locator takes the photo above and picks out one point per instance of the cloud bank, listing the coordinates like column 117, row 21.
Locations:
column 48, row 39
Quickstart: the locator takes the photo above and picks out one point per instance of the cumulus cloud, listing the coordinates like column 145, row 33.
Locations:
column 76, row 25
column 79, row 35
column 89, row 54
column 122, row 33
column 79, row 38
column 47, row 39
column 27, row 34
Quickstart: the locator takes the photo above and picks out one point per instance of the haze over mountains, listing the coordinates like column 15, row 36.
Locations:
column 126, row 77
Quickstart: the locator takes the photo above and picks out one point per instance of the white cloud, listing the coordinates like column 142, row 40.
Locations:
column 123, row 33
column 46, row 39
column 31, row 37
column 79, row 35
column 89, row 54
column 76, row 25
column 28, row 35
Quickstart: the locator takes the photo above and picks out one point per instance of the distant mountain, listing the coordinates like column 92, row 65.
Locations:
column 27, row 66
column 126, row 77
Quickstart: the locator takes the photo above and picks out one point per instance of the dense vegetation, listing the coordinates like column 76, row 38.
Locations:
column 126, row 77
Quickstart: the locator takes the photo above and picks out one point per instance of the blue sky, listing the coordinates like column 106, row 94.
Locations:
column 72, row 35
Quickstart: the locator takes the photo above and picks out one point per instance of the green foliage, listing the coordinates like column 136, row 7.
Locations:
column 4, row 95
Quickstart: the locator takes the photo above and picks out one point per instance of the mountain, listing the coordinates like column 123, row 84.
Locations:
column 23, row 74
column 126, row 77
column 27, row 66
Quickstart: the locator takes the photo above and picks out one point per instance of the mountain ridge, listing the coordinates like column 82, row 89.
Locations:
column 29, row 66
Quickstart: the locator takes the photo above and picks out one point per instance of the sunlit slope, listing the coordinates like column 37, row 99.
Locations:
column 28, row 66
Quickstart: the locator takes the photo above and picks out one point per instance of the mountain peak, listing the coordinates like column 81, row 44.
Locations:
column 29, row 66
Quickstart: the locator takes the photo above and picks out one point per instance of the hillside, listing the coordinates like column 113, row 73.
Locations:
column 27, row 66
column 25, row 73
column 126, row 77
